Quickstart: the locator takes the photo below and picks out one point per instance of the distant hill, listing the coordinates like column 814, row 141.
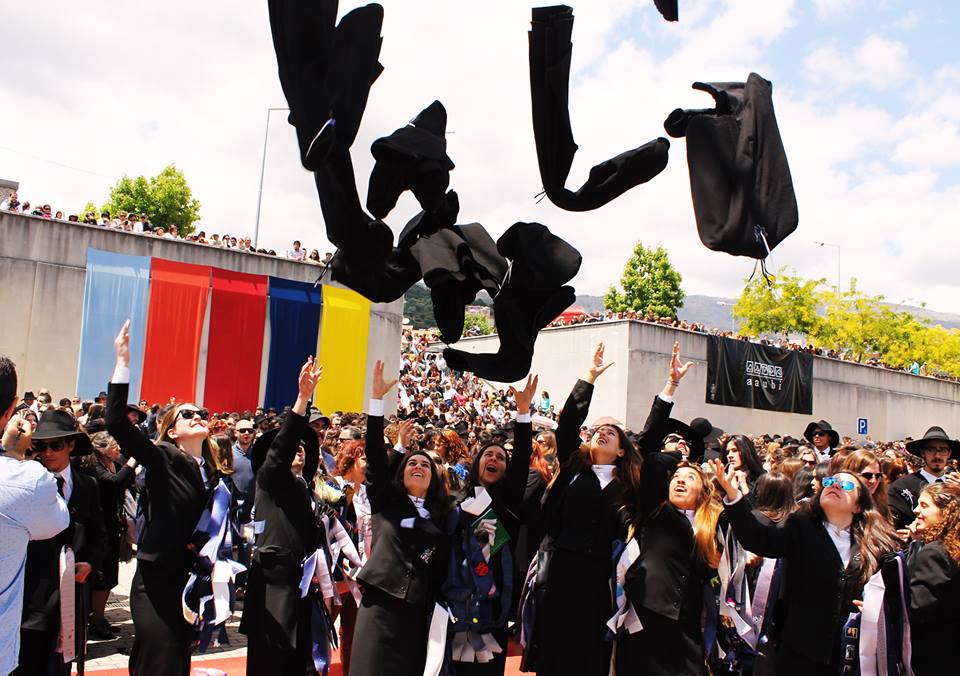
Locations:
column 418, row 306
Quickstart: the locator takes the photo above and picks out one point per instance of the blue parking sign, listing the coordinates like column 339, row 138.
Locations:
column 862, row 426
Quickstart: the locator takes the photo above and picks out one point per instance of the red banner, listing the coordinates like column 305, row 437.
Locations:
column 238, row 312
column 178, row 302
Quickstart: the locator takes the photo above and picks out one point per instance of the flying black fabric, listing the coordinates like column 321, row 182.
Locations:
column 414, row 158
column 325, row 70
column 550, row 51
column 531, row 297
column 668, row 9
column 743, row 196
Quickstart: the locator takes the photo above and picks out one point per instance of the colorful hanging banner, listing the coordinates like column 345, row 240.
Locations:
column 343, row 350
column 238, row 311
column 178, row 304
column 116, row 289
column 294, row 325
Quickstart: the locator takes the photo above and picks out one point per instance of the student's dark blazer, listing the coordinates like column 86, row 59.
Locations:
column 86, row 535
column 177, row 495
column 934, row 610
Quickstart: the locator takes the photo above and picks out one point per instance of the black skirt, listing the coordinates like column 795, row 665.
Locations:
column 664, row 647
column 390, row 636
column 162, row 638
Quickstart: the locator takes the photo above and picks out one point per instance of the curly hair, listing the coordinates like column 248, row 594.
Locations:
column 347, row 455
column 451, row 447
column 947, row 499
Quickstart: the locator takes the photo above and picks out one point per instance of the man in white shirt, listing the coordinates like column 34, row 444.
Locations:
column 296, row 253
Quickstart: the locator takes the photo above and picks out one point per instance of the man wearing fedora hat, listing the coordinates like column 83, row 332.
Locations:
column 936, row 449
column 824, row 438
column 57, row 439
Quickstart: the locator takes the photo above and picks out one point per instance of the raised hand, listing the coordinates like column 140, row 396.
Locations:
column 526, row 395
column 121, row 345
column 310, row 375
column 678, row 369
column 405, row 433
column 725, row 479
column 379, row 387
column 597, row 367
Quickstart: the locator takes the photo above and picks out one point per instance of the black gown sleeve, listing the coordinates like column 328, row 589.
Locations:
column 515, row 481
column 378, row 470
column 574, row 412
column 757, row 533
column 275, row 473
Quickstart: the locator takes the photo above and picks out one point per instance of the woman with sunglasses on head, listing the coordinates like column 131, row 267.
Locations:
column 866, row 464
column 935, row 580
column 179, row 471
column 583, row 515
column 480, row 587
column 674, row 545
column 401, row 579
column 835, row 544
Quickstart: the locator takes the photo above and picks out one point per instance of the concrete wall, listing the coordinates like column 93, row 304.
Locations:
column 42, row 273
column 896, row 404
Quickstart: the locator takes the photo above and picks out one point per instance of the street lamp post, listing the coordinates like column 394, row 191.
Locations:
column 837, row 247
column 263, row 166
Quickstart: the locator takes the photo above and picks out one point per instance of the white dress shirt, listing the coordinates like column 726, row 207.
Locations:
column 67, row 475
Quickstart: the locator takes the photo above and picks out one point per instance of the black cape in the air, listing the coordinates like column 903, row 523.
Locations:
column 550, row 51
column 413, row 158
column 668, row 9
column 326, row 70
column 743, row 196
column 531, row 297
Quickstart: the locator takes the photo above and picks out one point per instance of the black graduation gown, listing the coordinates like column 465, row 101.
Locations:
column 177, row 497
column 934, row 610
column 275, row 619
column 581, row 521
column 113, row 486
column 401, row 578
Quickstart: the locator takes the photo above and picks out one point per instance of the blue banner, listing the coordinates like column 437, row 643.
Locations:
column 294, row 327
column 116, row 289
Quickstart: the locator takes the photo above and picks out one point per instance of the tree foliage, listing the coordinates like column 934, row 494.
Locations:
column 165, row 198
column 649, row 283
column 787, row 306
column 480, row 321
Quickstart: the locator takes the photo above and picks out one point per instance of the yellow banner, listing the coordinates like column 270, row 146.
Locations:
column 344, row 331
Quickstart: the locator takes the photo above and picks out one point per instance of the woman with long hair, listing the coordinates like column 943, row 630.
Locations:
column 742, row 457
column 480, row 587
column 866, row 464
column 585, row 511
column 547, row 440
column 403, row 575
column 113, row 479
column 835, row 544
column 935, row 581
column 179, row 472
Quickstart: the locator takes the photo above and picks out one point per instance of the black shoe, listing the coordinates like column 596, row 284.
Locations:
column 100, row 633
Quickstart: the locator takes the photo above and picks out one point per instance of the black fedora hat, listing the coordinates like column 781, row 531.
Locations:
column 826, row 427
column 311, row 447
column 28, row 396
column 935, row 433
column 57, row 424
column 707, row 431
column 133, row 408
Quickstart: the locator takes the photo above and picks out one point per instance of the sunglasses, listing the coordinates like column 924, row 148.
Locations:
column 245, row 431
column 187, row 414
column 53, row 445
column 809, row 463
column 845, row 484
column 870, row 476
column 819, row 433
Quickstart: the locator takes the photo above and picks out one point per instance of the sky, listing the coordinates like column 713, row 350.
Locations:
column 866, row 92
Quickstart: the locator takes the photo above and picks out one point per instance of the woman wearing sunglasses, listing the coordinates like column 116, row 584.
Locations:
column 935, row 581
column 179, row 468
column 866, row 464
column 831, row 548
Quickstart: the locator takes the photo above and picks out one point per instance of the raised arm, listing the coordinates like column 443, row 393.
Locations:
column 378, row 471
column 515, row 481
column 131, row 440
column 651, row 437
column 757, row 534
column 576, row 407
column 275, row 472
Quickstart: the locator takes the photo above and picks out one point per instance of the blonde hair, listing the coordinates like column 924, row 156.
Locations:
column 705, row 518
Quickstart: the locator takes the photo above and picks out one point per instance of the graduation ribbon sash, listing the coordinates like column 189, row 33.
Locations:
column 67, row 642
column 436, row 641
column 626, row 615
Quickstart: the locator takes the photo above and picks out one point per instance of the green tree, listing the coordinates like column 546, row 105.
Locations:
column 649, row 283
column 788, row 305
column 87, row 208
column 165, row 198
column 475, row 319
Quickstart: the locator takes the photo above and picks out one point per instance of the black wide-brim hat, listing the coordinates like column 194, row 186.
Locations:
column 707, row 430
column 311, row 447
column 826, row 427
column 57, row 424
column 935, row 433
column 133, row 408
column 694, row 440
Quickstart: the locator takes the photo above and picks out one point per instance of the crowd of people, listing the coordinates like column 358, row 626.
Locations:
column 470, row 519
column 140, row 223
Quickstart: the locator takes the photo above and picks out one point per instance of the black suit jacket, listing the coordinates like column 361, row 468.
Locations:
column 290, row 532
column 174, row 486
column 113, row 486
column 85, row 535
column 934, row 610
column 406, row 563
column 902, row 496
column 818, row 590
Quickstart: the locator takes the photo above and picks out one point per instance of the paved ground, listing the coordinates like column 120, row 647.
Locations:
column 109, row 658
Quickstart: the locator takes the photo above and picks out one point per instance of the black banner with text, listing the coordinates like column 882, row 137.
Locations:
column 741, row 373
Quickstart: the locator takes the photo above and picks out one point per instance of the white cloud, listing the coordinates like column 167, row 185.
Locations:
column 876, row 62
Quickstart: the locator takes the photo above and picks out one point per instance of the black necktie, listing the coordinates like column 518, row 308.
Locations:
column 60, row 483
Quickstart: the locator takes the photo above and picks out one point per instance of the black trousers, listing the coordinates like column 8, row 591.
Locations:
column 266, row 660
column 789, row 663
column 39, row 656
column 161, row 644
